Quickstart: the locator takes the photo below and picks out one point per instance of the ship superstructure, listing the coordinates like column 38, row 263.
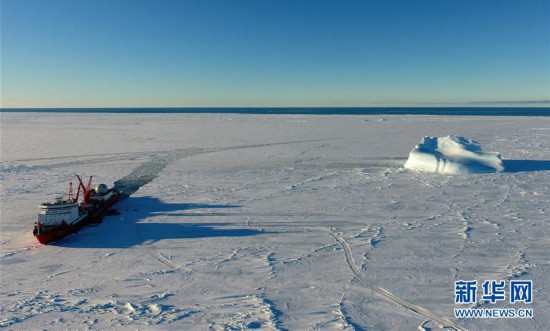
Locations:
column 54, row 213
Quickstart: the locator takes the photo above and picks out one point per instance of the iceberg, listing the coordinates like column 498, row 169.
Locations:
column 452, row 155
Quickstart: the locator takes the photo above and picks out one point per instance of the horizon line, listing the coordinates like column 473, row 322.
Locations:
column 541, row 103
column 473, row 105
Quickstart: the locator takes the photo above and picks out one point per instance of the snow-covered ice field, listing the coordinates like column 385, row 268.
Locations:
column 270, row 222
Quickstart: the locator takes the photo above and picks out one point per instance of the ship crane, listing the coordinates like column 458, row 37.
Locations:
column 86, row 190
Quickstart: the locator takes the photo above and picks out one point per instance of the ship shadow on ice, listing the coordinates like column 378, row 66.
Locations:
column 525, row 165
column 135, row 226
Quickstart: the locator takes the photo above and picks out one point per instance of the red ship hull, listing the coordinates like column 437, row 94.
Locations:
column 58, row 232
column 95, row 215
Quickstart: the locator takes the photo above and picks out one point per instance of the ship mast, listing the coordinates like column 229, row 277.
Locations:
column 70, row 197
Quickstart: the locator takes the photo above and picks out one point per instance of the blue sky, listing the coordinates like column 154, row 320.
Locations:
column 135, row 53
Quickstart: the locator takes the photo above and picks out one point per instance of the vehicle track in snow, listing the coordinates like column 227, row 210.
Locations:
column 168, row 262
column 73, row 156
column 73, row 160
column 383, row 293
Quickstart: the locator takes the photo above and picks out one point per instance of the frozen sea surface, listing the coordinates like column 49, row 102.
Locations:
column 270, row 222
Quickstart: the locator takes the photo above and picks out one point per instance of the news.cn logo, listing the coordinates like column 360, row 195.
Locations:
column 518, row 291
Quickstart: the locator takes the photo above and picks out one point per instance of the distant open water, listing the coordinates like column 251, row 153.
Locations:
column 461, row 111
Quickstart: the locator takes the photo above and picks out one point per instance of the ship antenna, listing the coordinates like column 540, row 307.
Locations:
column 71, row 191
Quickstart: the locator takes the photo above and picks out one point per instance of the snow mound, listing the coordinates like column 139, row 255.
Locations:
column 452, row 155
